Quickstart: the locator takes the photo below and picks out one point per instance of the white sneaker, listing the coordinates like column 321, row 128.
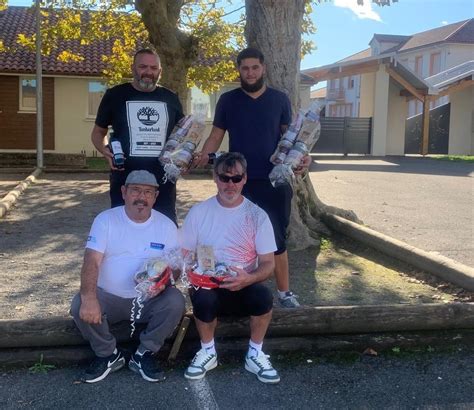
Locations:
column 262, row 368
column 200, row 365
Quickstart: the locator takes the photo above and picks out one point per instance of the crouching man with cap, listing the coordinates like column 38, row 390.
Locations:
column 121, row 240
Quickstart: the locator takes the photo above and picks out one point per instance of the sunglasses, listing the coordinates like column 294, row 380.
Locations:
column 235, row 178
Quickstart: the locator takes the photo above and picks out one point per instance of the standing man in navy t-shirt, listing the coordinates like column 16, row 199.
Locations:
column 142, row 115
column 255, row 116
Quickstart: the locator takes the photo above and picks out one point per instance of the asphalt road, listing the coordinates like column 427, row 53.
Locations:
column 425, row 381
column 424, row 202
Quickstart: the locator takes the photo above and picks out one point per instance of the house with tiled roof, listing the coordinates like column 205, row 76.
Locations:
column 391, row 79
column 71, row 90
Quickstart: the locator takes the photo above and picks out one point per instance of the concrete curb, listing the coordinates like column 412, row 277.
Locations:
column 10, row 198
column 445, row 268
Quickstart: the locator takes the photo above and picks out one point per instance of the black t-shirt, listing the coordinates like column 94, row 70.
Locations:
column 254, row 126
column 141, row 121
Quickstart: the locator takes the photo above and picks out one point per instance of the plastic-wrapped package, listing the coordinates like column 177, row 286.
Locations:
column 288, row 139
column 178, row 151
column 205, row 272
column 308, row 135
column 151, row 278
column 177, row 137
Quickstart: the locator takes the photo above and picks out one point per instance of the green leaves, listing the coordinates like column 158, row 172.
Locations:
column 41, row 367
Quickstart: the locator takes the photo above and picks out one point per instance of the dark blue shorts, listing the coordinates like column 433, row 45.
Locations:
column 276, row 202
column 208, row 304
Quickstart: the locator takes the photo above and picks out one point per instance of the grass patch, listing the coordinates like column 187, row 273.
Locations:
column 455, row 158
column 325, row 244
column 97, row 163
column 41, row 367
column 345, row 272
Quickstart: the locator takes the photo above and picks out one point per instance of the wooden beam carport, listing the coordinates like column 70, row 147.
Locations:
column 411, row 84
column 420, row 95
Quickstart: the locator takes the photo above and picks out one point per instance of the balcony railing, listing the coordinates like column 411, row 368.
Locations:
column 336, row 94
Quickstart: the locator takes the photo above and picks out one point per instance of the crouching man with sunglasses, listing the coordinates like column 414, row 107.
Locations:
column 241, row 235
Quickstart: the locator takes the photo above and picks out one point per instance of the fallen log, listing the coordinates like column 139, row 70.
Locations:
column 310, row 346
column 60, row 331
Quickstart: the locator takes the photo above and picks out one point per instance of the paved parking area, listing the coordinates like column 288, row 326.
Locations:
column 424, row 202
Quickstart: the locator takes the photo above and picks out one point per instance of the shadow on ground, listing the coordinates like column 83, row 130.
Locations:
column 394, row 164
column 44, row 234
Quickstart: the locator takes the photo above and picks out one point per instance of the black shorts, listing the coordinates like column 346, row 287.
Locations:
column 165, row 203
column 208, row 304
column 276, row 202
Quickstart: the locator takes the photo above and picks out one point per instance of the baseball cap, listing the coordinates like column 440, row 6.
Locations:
column 141, row 177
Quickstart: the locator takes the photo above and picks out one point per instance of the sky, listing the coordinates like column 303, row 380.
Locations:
column 343, row 28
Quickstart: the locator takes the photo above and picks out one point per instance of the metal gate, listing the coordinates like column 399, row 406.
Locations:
column 344, row 135
column 438, row 140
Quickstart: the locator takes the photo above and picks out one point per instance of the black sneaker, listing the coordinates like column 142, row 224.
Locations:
column 101, row 366
column 146, row 366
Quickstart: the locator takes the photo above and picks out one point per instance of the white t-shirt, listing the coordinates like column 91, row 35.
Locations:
column 238, row 235
column 127, row 245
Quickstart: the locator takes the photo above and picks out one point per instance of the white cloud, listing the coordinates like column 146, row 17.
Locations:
column 444, row 22
column 362, row 12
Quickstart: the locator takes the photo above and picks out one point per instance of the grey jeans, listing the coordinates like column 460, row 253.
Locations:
column 161, row 313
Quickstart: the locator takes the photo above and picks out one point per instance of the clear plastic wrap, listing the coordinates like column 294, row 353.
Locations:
column 155, row 274
column 308, row 135
column 204, row 271
column 288, row 139
column 178, row 151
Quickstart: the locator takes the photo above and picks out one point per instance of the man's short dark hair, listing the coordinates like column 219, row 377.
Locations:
column 250, row 53
column 145, row 51
column 227, row 162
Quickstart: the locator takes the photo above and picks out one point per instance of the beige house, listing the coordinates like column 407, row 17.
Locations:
column 402, row 76
column 71, row 92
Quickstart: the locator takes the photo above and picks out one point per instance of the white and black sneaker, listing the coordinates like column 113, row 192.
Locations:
column 262, row 368
column 100, row 367
column 289, row 301
column 200, row 365
column 145, row 365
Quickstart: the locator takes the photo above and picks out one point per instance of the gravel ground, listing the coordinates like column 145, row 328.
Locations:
column 43, row 237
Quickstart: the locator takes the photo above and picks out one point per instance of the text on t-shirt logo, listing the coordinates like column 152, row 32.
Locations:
column 155, row 245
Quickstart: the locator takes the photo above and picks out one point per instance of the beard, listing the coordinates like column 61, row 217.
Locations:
column 252, row 88
column 145, row 82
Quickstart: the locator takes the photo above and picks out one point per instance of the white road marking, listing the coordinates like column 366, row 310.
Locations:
column 203, row 395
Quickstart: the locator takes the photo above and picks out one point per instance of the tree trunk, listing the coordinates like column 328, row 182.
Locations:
column 274, row 27
column 177, row 49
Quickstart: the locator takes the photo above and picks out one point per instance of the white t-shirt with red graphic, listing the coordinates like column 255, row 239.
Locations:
column 237, row 235
column 127, row 245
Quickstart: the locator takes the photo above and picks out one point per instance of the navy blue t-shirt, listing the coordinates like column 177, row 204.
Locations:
column 142, row 121
column 254, row 126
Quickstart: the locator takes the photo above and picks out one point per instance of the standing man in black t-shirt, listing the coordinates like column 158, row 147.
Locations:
column 255, row 116
column 142, row 115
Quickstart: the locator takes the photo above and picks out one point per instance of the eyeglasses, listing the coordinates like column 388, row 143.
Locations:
column 235, row 178
column 149, row 193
